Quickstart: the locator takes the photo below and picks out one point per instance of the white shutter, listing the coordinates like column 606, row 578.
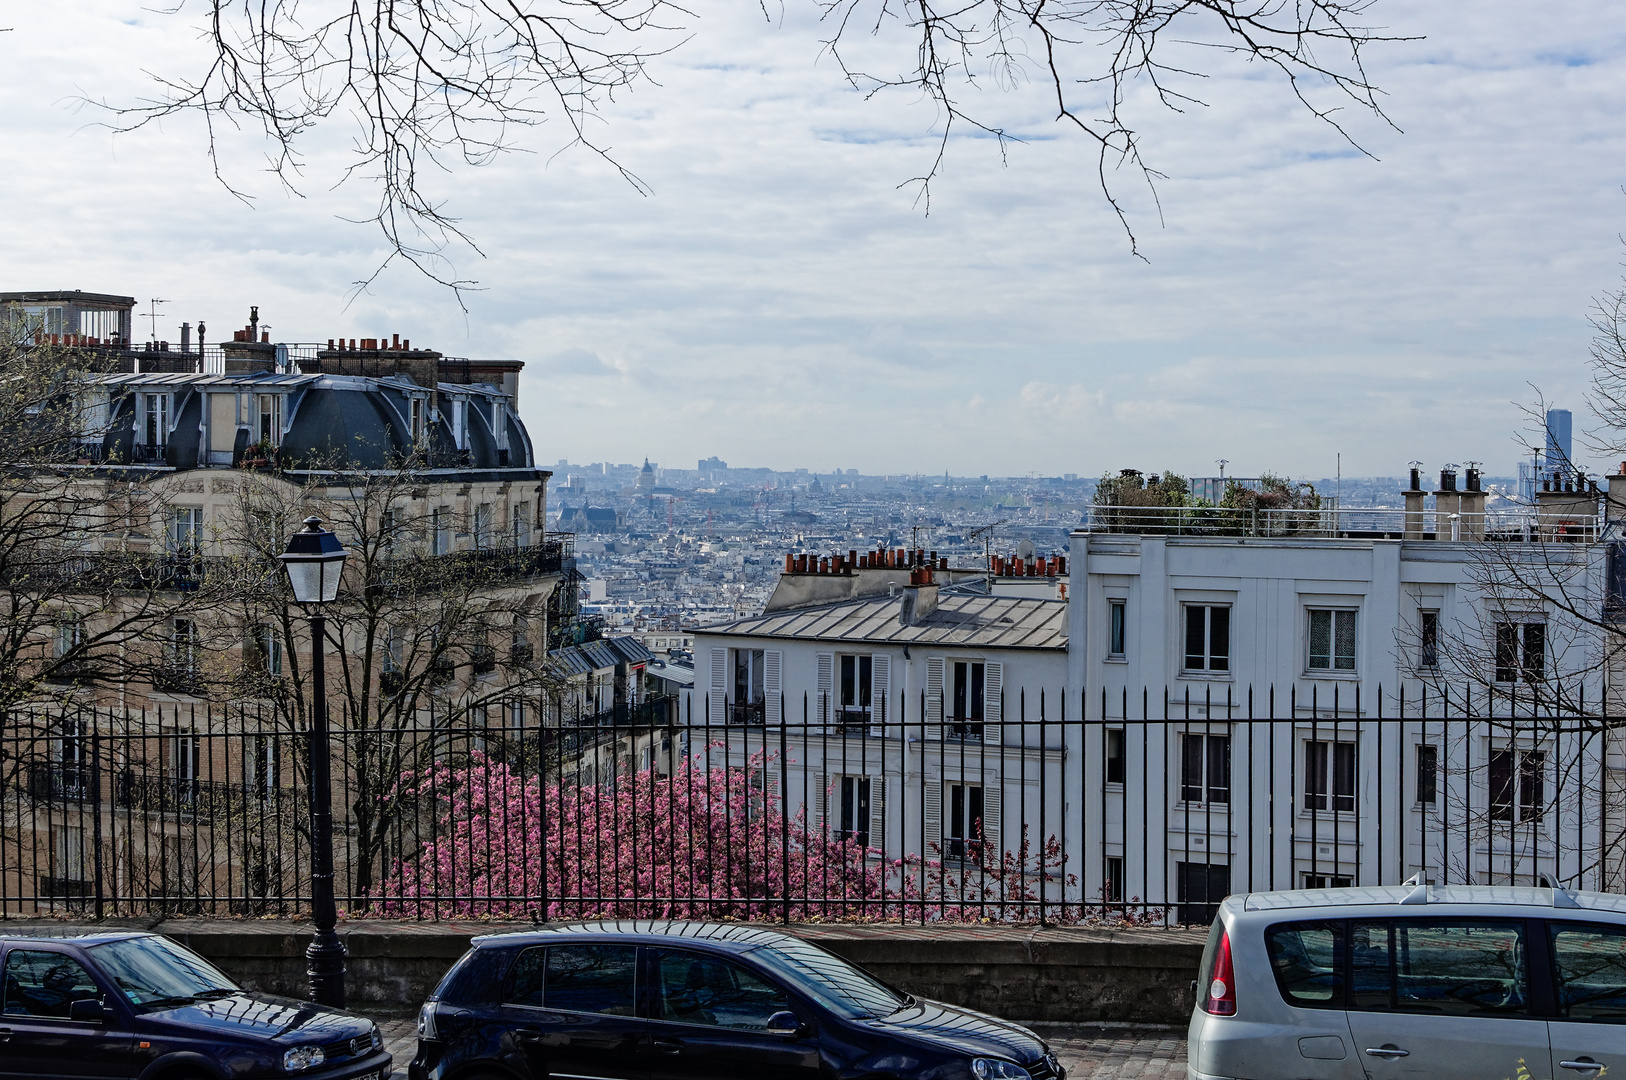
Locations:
column 772, row 662
column 932, row 815
column 992, row 796
column 993, row 702
column 880, row 689
column 827, row 679
column 877, row 813
column 819, row 797
column 719, row 686
column 934, row 699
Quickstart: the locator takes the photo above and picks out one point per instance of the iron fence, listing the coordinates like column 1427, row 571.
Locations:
column 1049, row 807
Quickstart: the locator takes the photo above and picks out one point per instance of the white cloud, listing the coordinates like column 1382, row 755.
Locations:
column 780, row 300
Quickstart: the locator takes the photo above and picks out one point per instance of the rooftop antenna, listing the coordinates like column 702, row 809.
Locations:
column 153, row 314
column 987, row 534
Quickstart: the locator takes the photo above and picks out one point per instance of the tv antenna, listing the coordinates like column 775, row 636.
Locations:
column 153, row 314
column 987, row 534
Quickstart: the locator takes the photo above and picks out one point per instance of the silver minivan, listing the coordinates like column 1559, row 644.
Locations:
column 1409, row 982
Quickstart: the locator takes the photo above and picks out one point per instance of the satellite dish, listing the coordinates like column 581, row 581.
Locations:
column 1024, row 550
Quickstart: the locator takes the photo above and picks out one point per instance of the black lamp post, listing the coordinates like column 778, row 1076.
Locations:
column 314, row 561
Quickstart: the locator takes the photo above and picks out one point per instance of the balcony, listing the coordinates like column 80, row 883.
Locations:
column 962, row 728
column 178, row 679
column 751, row 712
column 483, row 659
column 58, row 781
column 652, row 712
column 65, row 888
column 853, row 719
column 192, row 797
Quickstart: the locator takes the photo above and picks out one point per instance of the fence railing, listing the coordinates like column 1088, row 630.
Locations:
column 1520, row 523
column 1135, row 809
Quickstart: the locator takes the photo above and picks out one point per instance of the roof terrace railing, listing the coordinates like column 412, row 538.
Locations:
column 1522, row 523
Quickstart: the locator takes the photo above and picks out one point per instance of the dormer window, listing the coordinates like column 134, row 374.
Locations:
column 155, row 420
column 460, row 424
column 415, row 408
column 269, row 427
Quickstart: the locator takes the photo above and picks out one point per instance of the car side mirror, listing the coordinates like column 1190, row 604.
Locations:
column 784, row 1023
column 88, row 1010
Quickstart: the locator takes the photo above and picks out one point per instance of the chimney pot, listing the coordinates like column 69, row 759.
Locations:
column 790, row 563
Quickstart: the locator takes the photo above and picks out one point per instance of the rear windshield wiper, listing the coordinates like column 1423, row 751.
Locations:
column 216, row 993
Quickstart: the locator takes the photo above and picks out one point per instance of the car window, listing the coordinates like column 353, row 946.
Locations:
column 831, row 981
column 1308, row 961
column 157, row 972
column 1371, row 966
column 44, row 984
column 696, row 988
column 525, row 980
column 591, row 978
column 1459, row 968
column 1591, row 963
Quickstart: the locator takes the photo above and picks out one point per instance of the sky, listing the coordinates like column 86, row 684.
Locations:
column 781, row 297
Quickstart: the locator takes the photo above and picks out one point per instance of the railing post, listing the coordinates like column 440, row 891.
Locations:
column 96, row 814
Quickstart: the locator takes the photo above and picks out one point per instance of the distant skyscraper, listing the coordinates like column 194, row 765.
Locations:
column 1558, row 439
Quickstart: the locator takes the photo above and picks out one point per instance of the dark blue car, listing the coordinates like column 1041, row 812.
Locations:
column 697, row 1001
column 132, row 1005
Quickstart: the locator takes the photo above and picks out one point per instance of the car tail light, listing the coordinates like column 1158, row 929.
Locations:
column 1221, row 989
column 426, row 1021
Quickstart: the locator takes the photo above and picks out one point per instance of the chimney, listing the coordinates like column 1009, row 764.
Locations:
column 1472, row 499
column 186, row 337
column 1414, row 496
column 919, row 602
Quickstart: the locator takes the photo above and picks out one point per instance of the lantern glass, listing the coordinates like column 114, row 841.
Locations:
column 315, row 562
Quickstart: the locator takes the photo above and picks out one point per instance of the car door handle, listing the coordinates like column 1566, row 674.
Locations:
column 669, row 1046
column 528, row 1035
column 1583, row 1065
column 1387, row 1052
column 5, row 1035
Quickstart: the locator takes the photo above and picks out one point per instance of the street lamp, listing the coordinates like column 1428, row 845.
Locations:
column 314, row 561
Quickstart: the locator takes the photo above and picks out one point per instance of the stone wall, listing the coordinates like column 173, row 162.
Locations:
column 1031, row 974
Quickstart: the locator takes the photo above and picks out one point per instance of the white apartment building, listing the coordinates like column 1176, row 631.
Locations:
column 1189, row 713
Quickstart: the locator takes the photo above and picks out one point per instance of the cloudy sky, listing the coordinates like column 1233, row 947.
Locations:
column 778, row 299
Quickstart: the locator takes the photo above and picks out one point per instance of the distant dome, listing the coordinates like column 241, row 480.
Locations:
column 646, row 477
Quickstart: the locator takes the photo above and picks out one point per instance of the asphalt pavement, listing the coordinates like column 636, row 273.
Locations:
column 1086, row 1051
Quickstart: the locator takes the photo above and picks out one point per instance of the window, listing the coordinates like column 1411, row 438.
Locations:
column 1208, row 637
column 188, row 756
column 1205, row 768
column 269, row 429
column 1516, row 784
column 1429, row 632
column 482, row 526
column 1325, row 881
column 1591, row 963
column 186, row 531
column 1112, row 889
column 695, row 988
column 156, row 430
column 964, row 826
column 183, row 645
column 969, row 695
column 1329, row 768
column 591, row 979
column 1332, row 640
column 1200, row 887
column 1117, row 763
column 857, row 682
column 1428, row 766
column 44, row 984
column 520, row 524
column 525, row 980
column 415, row 418
column 853, row 793
column 750, row 687
column 1308, row 962
column 440, row 541
column 70, row 634
column 1469, row 967
column 1115, row 628
column 460, row 424
column 1521, row 651
column 268, row 649
column 264, row 765
column 68, row 846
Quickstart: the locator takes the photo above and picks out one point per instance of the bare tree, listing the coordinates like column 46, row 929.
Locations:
column 419, row 645
column 431, row 85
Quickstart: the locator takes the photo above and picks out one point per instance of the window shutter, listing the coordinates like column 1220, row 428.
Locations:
column 719, row 686
column 934, row 702
column 827, row 678
column 993, row 702
column 880, row 688
column 877, row 813
column 992, row 796
column 772, row 661
column 932, row 815
column 819, row 796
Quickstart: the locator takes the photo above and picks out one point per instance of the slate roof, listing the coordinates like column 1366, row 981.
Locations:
column 992, row 622
column 600, row 655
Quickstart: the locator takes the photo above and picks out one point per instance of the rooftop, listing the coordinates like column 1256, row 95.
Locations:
column 971, row 621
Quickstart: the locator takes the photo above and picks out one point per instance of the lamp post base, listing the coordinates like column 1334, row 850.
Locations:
column 324, row 965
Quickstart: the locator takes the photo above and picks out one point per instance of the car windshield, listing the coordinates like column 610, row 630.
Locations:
column 831, row 981
column 156, row 972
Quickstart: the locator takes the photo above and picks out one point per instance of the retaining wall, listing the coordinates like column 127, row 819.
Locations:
column 1051, row 974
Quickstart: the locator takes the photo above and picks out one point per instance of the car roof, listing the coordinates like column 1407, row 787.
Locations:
column 1430, row 896
column 72, row 934
column 730, row 937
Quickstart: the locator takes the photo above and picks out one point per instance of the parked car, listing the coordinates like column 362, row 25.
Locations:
column 103, row 1006
column 697, row 1001
column 1412, row 982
